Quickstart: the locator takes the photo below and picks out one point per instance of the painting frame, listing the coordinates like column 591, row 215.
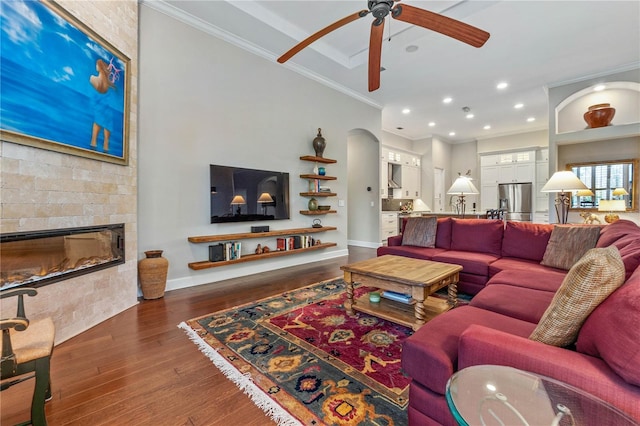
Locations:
column 90, row 117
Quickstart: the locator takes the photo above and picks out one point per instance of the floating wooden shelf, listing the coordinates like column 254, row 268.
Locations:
column 318, row 159
column 318, row 194
column 319, row 177
column 246, row 235
column 315, row 212
column 250, row 257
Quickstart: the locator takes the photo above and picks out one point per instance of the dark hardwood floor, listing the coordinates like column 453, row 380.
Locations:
column 138, row 368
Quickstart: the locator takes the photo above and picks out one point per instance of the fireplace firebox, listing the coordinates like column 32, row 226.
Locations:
column 39, row 258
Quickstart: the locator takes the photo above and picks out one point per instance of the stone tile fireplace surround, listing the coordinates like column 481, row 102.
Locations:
column 46, row 190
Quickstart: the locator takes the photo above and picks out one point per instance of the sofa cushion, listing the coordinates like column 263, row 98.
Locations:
column 420, row 231
column 525, row 304
column 525, row 240
column 596, row 275
column 410, row 251
column 618, row 229
column 472, row 263
column 477, row 235
column 443, row 231
column 568, row 244
column 629, row 248
column 612, row 331
column 536, row 278
column 430, row 355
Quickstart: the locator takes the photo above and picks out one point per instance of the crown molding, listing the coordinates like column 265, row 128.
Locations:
column 623, row 68
column 208, row 28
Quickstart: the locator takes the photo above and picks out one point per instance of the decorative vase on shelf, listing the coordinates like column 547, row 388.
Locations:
column 599, row 115
column 313, row 204
column 152, row 272
column 315, row 169
column 319, row 144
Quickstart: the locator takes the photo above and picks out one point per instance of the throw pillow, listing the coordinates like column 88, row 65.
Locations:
column 567, row 244
column 590, row 281
column 420, row 231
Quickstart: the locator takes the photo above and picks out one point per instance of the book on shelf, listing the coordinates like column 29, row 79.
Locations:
column 314, row 185
column 398, row 297
column 294, row 242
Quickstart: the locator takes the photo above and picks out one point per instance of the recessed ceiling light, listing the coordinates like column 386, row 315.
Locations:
column 530, row 119
column 411, row 48
column 432, row 123
column 502, row 85
column 518, row 106
column 599, row 88
column 487, row 127
column 470, row 115
column 452, row 133
column 447, row 100
column 406, row 111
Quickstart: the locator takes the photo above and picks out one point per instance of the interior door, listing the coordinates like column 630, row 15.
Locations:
column 438, row 189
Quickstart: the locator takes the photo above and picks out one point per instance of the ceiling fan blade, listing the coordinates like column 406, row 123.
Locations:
column 375, row 52
column 442, row 24
column 306, row 42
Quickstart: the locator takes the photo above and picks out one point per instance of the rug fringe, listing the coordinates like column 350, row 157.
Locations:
column 272, row 409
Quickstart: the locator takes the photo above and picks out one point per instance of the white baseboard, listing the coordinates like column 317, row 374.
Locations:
column 367, row 244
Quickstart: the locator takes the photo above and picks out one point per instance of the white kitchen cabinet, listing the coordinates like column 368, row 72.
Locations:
column 489, row 196
column 410, row 182
column 516, row 172
column 388, row 226
column 384, row 179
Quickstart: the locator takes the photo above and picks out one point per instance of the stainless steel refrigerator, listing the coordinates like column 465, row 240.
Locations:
column 517, row 200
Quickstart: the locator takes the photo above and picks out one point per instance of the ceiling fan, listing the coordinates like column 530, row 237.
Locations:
column 402, row 12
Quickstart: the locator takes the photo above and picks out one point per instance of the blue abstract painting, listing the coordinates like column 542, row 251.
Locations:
column 61, row 86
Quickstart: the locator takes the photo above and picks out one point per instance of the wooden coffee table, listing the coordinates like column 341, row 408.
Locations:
column 419, row 278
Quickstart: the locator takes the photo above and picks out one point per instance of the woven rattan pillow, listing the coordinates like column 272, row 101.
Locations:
column 590, row 281
column 567, row 244
column 420, row 231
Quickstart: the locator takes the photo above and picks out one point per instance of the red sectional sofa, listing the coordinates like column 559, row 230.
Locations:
column 512, row 291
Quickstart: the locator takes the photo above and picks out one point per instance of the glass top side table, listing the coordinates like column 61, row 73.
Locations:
column 498, row 395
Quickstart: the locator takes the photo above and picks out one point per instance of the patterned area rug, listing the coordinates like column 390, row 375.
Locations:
column 304, row 361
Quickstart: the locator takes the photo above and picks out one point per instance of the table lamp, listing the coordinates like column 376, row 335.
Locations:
column 611, row 206
column 265, row 198
column 619, row 192
column 461, row 187
column 238, row 200
column 563, row 183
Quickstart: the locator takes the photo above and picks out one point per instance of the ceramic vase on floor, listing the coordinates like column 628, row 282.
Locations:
column 152, row 273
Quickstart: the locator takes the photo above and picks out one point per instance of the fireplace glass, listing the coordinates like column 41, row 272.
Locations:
column 34, row 259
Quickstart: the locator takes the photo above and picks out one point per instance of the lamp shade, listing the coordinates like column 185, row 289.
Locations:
column 565, row 181
column 462, row 186
column 585, row 193
column 238, row 199
column 265, row 197
column 612, row 206
column 620, row 191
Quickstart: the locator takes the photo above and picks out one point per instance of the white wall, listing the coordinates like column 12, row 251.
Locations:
column 363, row 163
column 205, row 101
column 464, row 157
column 539, row 138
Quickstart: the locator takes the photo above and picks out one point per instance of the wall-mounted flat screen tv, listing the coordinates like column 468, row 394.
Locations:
column 242, row 195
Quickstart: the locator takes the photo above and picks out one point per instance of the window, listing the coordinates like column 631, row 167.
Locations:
column 602, row 178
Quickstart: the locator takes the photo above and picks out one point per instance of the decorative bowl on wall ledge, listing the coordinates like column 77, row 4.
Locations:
column 599, row 115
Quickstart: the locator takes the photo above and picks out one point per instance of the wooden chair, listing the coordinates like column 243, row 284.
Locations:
column 26, row 353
